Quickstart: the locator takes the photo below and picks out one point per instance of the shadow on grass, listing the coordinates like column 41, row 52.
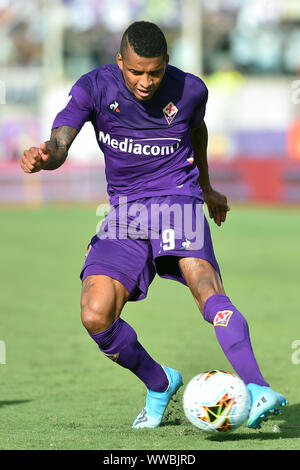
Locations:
column 4, row 403
column 287, row 427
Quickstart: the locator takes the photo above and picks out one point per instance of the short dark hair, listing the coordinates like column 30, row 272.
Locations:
column 146, row 39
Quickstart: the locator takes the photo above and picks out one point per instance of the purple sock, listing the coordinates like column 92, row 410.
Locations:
column 119, row 343
column 232, row 332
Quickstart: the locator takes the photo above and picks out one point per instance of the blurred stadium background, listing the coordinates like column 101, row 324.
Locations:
column 57, row 392
column 247, row 51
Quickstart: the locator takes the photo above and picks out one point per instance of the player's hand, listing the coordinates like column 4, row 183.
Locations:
column 35, row 159
column 217, row 205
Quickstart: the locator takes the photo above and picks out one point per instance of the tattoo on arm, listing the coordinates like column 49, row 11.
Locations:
column 58, row 146
column 63, row 137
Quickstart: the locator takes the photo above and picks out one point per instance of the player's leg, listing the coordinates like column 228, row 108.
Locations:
column 231, row 327
column 198, row 268
column 116, row 271
column 232, row 332
column 202, row 279
column 102, row 300
column 188, row 256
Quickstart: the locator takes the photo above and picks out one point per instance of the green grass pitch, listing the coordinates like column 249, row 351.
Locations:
column 58, row 391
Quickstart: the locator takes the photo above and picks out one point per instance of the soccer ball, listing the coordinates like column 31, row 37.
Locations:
column 216, row 401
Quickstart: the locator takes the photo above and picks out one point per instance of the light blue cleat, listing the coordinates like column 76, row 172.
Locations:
column 264, row 402
column 156, row 402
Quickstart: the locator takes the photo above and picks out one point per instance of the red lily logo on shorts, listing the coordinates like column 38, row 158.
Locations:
column 170, row 112
column 222, row 318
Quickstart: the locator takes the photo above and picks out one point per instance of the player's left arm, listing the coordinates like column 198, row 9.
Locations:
column 216, row 202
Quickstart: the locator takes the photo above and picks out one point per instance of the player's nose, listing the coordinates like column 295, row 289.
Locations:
column 145, row 82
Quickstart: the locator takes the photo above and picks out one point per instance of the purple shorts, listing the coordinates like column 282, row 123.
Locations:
column 142, row 238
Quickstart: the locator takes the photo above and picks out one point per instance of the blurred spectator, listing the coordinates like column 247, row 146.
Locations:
column 248, row 37
column 257, row 36
column 25, row 50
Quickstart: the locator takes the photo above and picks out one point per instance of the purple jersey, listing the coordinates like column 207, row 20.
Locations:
column 146, row 144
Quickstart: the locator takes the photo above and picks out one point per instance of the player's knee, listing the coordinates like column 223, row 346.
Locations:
column 97, row 315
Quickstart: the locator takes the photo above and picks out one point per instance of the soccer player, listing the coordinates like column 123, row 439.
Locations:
column 148, row 118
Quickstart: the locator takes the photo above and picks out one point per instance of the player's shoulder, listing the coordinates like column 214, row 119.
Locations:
column 189, row 81
column 93, row 85
column 98, row 76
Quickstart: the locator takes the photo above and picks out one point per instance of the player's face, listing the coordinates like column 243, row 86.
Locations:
column 142, row 75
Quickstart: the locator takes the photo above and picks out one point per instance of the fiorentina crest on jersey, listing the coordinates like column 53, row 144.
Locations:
column 222, row 318
column 170, row 112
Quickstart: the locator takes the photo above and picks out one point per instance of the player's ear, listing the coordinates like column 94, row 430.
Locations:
column 119, row 59
column 167, row 59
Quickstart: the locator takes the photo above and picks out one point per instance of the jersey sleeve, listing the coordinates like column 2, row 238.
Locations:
column 199, row 111
column 79, row 107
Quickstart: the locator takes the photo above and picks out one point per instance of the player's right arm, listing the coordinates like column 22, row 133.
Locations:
column 52, row 153
column 68, row 122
